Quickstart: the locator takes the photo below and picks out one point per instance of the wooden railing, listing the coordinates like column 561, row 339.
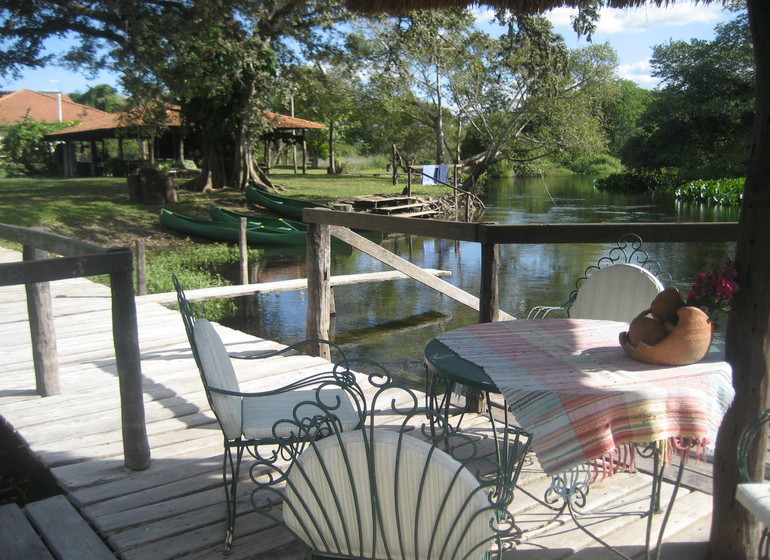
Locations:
column 78, row 260
column 323, row 223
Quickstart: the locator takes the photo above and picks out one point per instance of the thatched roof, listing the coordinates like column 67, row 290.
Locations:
column 397, row 7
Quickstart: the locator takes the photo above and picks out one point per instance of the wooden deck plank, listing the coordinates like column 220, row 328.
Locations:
column 176, row 507
column 65, row 532
column 18, row 539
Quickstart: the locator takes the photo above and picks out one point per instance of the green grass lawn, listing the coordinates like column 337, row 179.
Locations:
column 97, row 210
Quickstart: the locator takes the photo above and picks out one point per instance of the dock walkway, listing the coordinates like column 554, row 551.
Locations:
column 175, row 509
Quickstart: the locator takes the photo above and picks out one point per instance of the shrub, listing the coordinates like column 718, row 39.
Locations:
column 639, row 181
column 195, row 267
column 603, row 164
column 24, row 150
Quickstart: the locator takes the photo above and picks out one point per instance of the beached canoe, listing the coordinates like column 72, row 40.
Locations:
column 282, row 205
column 229, row 231
column 219, row 214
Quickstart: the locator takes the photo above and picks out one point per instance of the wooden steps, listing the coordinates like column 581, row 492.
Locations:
column 398, row 205
column 50, row 529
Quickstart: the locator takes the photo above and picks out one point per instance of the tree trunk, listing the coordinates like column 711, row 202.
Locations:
column 227, row 162
column 734, row 533
column 439, row 120
column 332, row 150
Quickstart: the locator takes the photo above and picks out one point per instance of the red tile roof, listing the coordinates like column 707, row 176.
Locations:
column 107, row 122
column 43, row 107
column 284, row 121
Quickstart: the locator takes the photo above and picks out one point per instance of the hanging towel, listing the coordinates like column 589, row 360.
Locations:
column 443, row 173
column 428, row 172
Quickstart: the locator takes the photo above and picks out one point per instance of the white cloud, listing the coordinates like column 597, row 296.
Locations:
column 639, row 20
column 484, row 16
column 638, row 72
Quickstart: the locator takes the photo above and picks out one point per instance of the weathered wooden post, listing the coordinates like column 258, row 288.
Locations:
column 42, row 331
column 136, row 448
column 243, row 250
column 489, row 300
column 318, row 287
column 141, row 268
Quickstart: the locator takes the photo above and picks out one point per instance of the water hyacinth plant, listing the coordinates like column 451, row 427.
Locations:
column 725, row 192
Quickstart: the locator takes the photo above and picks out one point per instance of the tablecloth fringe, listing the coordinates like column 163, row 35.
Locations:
column 620, row 459
column 623, row 457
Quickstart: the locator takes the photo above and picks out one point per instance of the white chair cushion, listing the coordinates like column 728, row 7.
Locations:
column 755, row 497
column 343, row 501
column 219, row 373
column 260, row 414
column 616, row 293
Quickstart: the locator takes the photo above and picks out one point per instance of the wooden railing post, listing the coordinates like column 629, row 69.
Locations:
column 489, row 300
column 42, row 331
column 243, row 250
column 319, row 291
column 136, row 448
column 141, row 268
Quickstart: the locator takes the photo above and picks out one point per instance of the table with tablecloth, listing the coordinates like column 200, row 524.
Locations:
column 570, row 384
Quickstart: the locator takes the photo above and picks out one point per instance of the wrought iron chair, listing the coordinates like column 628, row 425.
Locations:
column 253, row 421
column 387, row 490
column 617, row 288
column 754, row 495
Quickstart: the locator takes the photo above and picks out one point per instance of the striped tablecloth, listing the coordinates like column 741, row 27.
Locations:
column 569, row 383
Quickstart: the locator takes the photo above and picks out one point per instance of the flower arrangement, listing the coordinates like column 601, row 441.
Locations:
column 713, row 291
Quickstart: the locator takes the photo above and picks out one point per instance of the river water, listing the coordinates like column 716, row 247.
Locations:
column 390, row 322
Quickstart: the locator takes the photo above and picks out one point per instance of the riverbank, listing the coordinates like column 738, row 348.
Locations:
column 97, row 210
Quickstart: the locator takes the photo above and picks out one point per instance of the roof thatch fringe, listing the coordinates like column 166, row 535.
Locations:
column 399, row 7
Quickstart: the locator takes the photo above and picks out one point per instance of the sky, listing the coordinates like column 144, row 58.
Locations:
column 632, row 33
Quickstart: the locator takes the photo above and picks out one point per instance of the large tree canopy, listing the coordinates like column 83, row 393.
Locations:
column 700, row 121
column 517, row 97
column 216, row 60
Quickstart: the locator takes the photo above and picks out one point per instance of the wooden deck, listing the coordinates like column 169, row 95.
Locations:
column 175, row 509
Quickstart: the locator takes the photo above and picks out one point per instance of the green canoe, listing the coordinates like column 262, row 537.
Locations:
column 219, row 214
column 229, row 231
column 282, row 205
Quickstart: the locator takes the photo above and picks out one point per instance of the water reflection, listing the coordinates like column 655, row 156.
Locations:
column 529, row 274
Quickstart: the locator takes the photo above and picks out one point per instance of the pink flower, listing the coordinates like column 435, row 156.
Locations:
column 713, row 291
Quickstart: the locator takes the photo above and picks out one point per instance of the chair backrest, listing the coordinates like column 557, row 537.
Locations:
column 383, row 494
column 388, row 489
column 217, row 373
column 188, row 316
column 618, row 292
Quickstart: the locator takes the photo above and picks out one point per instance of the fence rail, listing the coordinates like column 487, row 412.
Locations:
column 490, row 236
column 79, row 259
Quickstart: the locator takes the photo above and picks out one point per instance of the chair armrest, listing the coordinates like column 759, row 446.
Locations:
column 541, row 311
column 289, row 348
column 755, row 497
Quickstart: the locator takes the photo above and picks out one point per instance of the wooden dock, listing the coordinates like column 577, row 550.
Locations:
column 175, row 509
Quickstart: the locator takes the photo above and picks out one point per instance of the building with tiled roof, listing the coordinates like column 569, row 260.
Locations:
column 172, row 143
column 23, row 104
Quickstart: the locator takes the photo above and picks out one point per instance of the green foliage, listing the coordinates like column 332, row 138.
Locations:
column 535, row 168
column 501, row 169
column 701, row 121
column 639, row 181
column 725, row 192
column 195, row 267
column 102, row 97
column 24, row 150
column 603, row 164
column 622, row 111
